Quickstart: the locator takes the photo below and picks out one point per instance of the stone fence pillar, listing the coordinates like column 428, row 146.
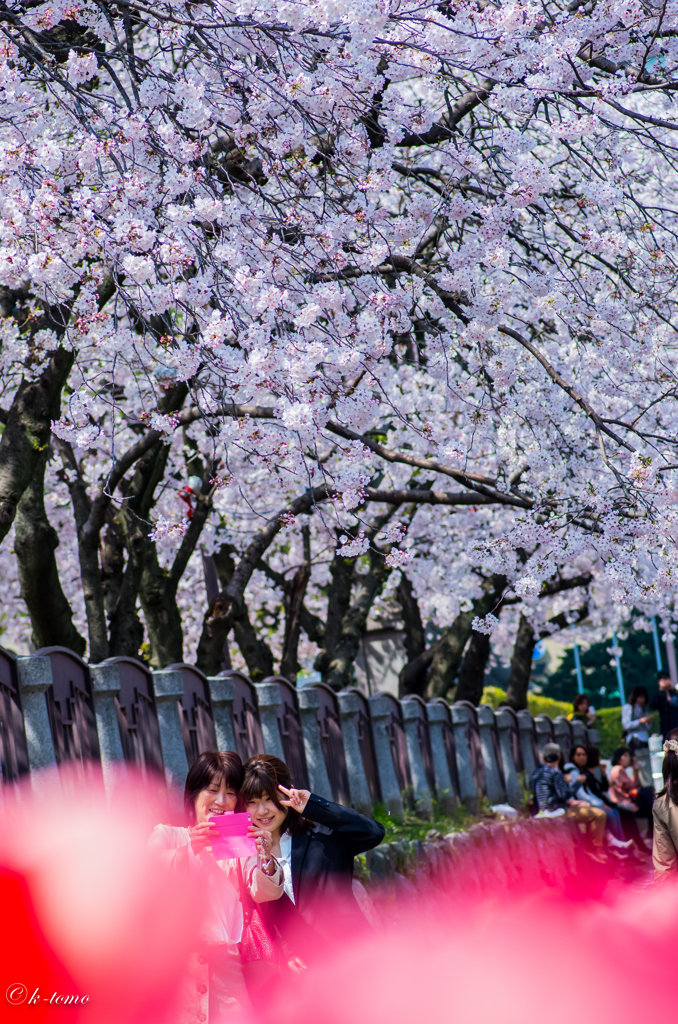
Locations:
column 349, row 709
column 437, row 719
column 514, row 795
column 412, row 713
column 542, row 727
column 169, row 690
column 493, row 780
column 526, row 728
column 468, row 791
column 222, row 692
column 35, row 678
column 309, row 702
column 105, row 688
column 269, row 699
column 388, row 780
column 579, row 734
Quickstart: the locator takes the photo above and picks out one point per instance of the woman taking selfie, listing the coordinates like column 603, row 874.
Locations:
column 214, row 989
column 315, row 841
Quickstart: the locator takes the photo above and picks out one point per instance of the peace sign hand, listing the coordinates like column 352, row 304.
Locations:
column 296, row 798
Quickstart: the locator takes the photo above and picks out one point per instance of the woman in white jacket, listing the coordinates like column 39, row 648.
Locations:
column 214, row 988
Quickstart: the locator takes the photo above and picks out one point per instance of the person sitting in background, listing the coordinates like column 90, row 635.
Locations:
column 666, row 703
column 630, row 798
column 665, row 815
column 582, row 710
column 636, row 721
column 590, row 791
column 553, row 795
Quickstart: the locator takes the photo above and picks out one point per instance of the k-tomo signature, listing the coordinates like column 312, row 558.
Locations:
column 17, row 994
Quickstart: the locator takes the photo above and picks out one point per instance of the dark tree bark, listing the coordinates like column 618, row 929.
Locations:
column 521, row 666
column 158, row 587
column 353, row 626
column 415, row 640
column 472, row 671
column 354, row 622
column 221, row 612
column 338, row 604
column 112, row 561
column 27, row 433
column 256, row 652
column 88, row 555
column 433, row 672
column 37, row 402
column 36, row 540
column 312, row 625
column 294, row 598
column 126, row 629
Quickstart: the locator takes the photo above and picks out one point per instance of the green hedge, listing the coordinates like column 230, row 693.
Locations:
column 608, row 720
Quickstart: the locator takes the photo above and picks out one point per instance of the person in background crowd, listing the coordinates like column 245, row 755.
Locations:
column 214, row 988
column 665, row 814
column 636, row 721
column 591, row 792
column 315, row 842
column 553, row 795
column 582, row 710
column 666, row 703
column 594, row 766
column 630, row 798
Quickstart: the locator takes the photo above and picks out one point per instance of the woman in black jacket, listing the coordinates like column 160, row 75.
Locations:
column 314, row 841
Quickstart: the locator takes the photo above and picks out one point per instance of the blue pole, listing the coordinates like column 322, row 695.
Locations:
column 620, row 679
column 577, row 665
column 657, row 648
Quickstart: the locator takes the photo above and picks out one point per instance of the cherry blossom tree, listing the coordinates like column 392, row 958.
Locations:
column 362, row 308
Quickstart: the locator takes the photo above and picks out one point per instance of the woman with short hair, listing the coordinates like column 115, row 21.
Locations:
column 315, row 841
column 214, row 988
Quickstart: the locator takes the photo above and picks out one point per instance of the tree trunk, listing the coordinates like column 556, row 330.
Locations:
column 27, row 433
column 447, row 654
column 338, row 603
column 36, row 540
column 433, row 672
column 256, row 652
column 472, row 671
column 88, row 555
column 294, row 598
column 415, row 641
column 354, row 623
column 521, row 666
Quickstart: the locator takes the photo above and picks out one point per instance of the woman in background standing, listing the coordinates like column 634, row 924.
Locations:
column 636, row 720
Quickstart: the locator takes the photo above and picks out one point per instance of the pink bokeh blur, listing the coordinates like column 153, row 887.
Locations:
column 85, row 909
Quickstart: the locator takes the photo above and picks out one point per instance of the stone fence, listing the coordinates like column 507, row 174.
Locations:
column 57, row 710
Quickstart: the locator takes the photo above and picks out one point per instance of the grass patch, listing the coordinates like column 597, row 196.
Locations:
column 410, row 827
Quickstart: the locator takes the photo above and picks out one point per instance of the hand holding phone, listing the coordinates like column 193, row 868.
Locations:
column 232, row 840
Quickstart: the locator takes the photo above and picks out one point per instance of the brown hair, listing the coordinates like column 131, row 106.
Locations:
column 263, row 773
column 579, row 700
column 670, row 771
column 212, row 767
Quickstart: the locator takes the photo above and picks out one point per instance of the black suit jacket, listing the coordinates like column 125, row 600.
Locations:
column 322, row 878
column 668, row 710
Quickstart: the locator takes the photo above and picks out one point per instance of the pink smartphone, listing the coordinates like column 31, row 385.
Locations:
column 232, row 841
